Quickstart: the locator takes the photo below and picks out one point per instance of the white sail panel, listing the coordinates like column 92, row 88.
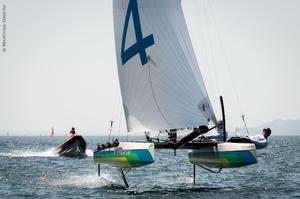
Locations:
column 161, row 84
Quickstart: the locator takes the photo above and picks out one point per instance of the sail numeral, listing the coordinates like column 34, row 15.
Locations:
column 141, row 43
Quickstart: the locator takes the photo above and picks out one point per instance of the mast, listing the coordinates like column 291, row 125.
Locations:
column 243, row 117
column 223, row 118
column 110, row 129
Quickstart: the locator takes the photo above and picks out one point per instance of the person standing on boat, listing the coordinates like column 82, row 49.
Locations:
column 72, row 132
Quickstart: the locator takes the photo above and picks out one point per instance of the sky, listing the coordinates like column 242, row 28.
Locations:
column 59, row 69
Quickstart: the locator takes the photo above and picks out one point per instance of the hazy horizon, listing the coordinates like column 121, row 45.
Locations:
column 118, row 132
column 59, row 68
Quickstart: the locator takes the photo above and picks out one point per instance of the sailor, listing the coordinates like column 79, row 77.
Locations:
column 116, row 142
column 263, row 137
column 108, row 144
column 147, row 135
column 172, row 135
column 266, row 132
column 72, row 132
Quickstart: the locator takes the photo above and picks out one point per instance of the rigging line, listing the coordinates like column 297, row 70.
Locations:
column 243, row 117
column 120, row 120
column 110, row 130
column 109, row 133
column 115, row 112
column 211, row 51
column 208, row 43
column 154, row 98
column 227, row 63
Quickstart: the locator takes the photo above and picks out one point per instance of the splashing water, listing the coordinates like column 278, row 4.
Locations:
column 34, row 153
column 85, row 181
column 89, row 152
column 28, row 153
column 35, row 173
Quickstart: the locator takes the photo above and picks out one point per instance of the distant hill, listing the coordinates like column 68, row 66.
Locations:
column 280, row 127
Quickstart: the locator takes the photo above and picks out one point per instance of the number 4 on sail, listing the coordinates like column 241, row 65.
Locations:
column 141, row 43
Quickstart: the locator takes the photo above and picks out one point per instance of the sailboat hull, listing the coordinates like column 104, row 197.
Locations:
column 259, row 144
column 126, row 155
column 224, row 155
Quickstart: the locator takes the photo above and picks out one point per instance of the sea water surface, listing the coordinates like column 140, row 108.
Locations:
column 29, row 169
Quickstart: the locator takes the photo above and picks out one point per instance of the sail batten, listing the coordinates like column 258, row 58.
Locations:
column 161, row 83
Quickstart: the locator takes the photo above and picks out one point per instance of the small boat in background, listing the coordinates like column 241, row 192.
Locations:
column 52, row 132
column 74, row 146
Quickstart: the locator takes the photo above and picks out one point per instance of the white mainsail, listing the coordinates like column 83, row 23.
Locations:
column 161, row 84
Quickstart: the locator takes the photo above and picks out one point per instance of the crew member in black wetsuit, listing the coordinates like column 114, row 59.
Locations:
column 72, row 132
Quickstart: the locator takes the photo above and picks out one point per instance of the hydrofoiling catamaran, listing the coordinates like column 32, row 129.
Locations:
column 162, row 89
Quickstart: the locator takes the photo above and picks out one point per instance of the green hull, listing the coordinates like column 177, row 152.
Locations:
column 223, row 159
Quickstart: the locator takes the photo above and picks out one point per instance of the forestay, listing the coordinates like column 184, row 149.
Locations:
column 161, row 84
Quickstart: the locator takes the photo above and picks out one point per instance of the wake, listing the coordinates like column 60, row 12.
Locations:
column 34, row 153
column 29, row 153
column 86, row 181
column 89, row 152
